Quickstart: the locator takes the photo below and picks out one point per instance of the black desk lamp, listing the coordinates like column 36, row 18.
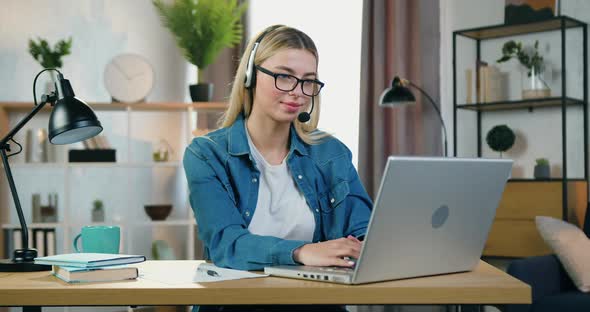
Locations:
column 399, row 95
column 71, row 121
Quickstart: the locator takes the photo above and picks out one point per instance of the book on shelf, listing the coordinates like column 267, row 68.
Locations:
column 491, row 84
column 89, row 260
column 101, row 274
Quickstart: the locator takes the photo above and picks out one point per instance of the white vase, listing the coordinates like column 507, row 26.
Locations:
column 50, row 85
column 534, row 85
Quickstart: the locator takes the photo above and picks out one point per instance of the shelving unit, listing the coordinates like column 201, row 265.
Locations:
column 125, row 186
column 513, row 233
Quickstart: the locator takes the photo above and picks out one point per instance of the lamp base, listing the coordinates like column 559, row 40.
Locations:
column 8, row 265
column 23, row 261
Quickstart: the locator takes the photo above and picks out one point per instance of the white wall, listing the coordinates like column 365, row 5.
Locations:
column 335, row 27
column 538, row 133
column 100, row 29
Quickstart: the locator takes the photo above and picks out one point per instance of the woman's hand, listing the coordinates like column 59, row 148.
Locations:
column 329, row 253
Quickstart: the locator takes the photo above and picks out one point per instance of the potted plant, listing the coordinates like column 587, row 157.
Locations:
column 500, row 138
column 48, row 57
column 202, row 28
column 97, row 211
column 542, row 168
column 533, row 84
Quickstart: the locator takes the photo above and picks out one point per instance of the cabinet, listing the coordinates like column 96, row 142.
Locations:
column 124, row 186
column 552, row 125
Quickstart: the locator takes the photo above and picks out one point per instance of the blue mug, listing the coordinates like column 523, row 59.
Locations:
column 99, row 239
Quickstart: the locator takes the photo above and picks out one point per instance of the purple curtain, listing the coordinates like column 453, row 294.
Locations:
column 400, row 38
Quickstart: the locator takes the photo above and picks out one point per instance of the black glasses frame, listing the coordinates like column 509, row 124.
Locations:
column 299, row 81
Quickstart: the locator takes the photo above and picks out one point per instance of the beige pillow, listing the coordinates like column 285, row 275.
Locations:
column 572, row 247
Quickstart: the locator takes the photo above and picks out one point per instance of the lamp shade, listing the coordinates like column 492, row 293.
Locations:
column 72, row 121
column 398, row 94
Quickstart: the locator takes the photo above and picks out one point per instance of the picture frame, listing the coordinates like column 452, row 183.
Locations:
column 529, row 11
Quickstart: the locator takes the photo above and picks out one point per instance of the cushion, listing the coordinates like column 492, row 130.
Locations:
column 571, row 246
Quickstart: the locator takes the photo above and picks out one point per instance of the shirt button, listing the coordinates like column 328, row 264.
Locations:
column 247, row 213
column 254, row 180
column 317, row 210
column 299, row 177
column 332, row 200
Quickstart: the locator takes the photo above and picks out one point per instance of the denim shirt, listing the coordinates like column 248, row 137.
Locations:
column 223, row 181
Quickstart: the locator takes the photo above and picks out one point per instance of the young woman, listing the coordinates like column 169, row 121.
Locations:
column 268, row 188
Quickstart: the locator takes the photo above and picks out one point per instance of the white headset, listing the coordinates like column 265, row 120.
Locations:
column 250, row 80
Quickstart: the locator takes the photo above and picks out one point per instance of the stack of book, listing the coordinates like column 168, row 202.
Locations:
column 92, row 267
column 490, row 85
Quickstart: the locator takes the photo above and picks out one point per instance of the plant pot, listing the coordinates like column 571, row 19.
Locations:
column 542, row 172
column 533, row 85
column 202, row 92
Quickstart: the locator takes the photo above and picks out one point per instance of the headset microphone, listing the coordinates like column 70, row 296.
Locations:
column 305, row 116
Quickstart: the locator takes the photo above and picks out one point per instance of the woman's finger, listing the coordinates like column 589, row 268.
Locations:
column 343, row 263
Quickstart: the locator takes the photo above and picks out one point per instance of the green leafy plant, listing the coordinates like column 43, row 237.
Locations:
column 542, row 161
column 97, row 204
column 48, row 57
column 203, row 27
column 500, row 138
column 529, row 58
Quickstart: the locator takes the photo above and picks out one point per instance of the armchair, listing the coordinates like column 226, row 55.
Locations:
column 552, row 289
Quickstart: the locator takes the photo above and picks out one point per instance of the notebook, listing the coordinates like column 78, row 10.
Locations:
column 89, row 260
column 104, row 274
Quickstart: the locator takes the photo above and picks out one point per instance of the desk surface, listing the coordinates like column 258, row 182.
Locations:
column 169, row 283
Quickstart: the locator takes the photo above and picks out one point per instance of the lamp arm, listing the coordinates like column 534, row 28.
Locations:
column 24, row 121
column 4, row 146
column 44, row 100
column 433, row 103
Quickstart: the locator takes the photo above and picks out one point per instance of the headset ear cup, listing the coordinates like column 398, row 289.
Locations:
column 250, row 81
column 248, row 78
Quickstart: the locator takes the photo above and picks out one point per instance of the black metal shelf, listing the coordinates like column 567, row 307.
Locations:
column 559, row 24
column 521, row 104
column 545, row 180
column 504, row 30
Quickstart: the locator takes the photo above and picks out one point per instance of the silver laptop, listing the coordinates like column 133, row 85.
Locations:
column 431, row 216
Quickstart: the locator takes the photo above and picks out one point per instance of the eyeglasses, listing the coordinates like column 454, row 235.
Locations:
column 286, row 82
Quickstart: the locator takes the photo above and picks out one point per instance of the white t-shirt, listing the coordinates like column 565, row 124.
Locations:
column 281, row 209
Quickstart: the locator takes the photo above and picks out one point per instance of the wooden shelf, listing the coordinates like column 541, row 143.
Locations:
column 177, row 222
column 503, row 30
column 166, row 223
column 164, row 164
column 521, row 104
column 147, row 107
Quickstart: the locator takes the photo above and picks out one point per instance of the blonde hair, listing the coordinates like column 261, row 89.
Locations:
column 279, row 38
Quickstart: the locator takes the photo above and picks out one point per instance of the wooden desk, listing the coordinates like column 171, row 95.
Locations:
column 484, row 285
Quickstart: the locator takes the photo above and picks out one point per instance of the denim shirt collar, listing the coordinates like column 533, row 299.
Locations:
column 238, row 142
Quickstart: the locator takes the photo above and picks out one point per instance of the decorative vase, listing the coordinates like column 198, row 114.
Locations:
column 534, row 85
column 542, row 172
column 51, row 85
column 201, row 92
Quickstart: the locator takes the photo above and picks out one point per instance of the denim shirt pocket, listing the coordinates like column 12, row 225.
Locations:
column 337, row 193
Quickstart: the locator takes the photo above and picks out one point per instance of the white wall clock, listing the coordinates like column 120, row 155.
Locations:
column 128, row 78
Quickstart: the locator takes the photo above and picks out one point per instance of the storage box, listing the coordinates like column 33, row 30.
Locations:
column 92, row 155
